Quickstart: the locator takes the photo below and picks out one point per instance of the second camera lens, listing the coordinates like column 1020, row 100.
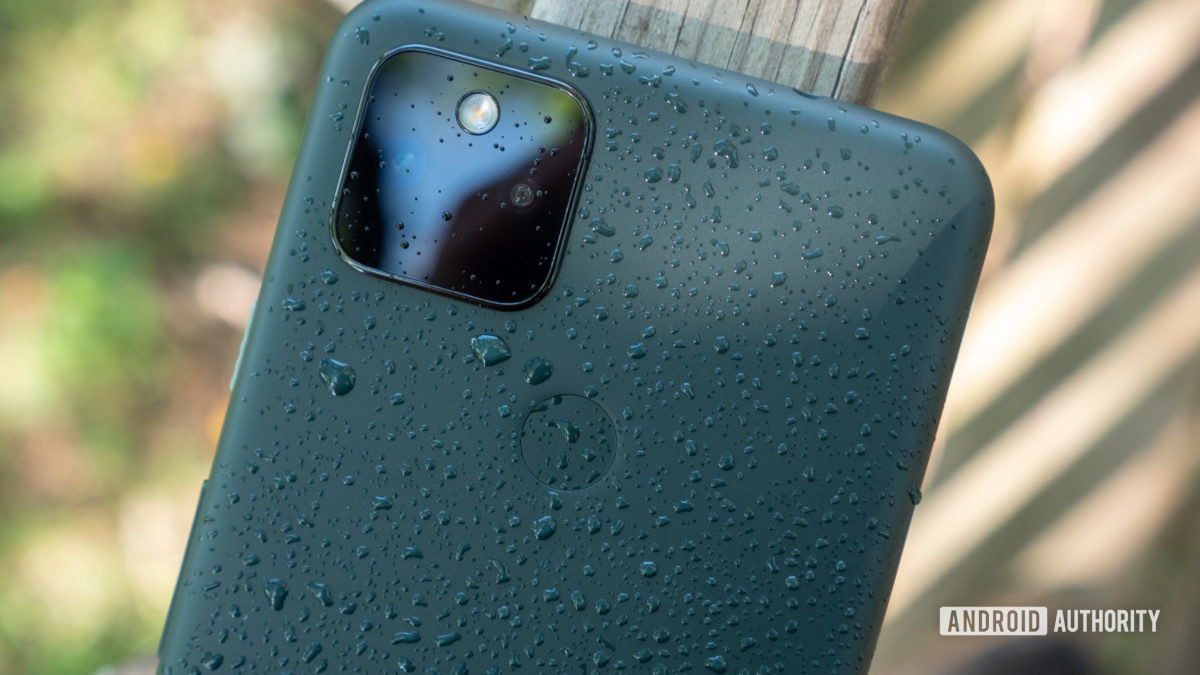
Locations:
column 521, row 195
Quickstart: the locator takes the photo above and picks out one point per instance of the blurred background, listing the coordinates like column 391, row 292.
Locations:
column 144, row 151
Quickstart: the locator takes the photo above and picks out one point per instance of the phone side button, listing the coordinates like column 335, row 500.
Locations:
column 237, row 365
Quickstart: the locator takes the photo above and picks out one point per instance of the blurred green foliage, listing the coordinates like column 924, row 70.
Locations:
column 140, row 140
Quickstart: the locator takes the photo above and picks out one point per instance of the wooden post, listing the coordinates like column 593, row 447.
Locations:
column 828, row 47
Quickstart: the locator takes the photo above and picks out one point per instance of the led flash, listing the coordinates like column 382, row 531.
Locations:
column 478, row 112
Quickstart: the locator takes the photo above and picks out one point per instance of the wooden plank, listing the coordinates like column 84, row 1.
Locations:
column 522, row 7
column 825, row 47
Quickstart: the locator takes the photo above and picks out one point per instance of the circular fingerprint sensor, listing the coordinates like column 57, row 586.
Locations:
column 568, row 442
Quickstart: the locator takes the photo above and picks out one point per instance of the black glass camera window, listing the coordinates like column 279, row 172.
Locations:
column 476, row 216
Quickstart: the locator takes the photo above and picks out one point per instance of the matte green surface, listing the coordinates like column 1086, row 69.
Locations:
column 763, row 290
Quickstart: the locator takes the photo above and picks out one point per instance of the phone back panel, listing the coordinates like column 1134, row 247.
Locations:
column 751, row 333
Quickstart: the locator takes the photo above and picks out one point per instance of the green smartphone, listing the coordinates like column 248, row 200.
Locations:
column 573, row 356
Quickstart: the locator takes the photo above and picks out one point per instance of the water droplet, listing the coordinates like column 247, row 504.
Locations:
column 446, row 639
column 576, row 68
column 311, row 652
column 363, row 35
column 603, row 228
column 537, row 370
column 338, row 376
column 490, row 349
column 321, row 593
column 276, row 593
column 544, row 527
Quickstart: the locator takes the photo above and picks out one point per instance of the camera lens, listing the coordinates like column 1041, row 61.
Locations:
column 521, row 195
column 478, row 112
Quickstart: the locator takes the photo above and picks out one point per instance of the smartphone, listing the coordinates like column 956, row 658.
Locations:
column 572, row 356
